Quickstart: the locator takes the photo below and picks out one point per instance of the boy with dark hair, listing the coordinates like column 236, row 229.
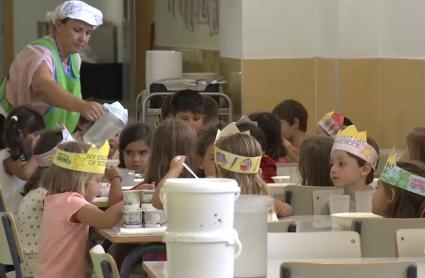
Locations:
column 210, row 112
column 293, row 118
column 188, row 105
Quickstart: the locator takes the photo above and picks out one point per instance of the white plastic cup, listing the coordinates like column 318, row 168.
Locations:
column 152, row 218
column 132, row 217
column 132, row 198
column 364, row 201
column 251, row 209
column 147, row 195
column 339, row 203
column 103, row 129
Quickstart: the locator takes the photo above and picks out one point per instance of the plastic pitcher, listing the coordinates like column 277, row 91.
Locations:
column 251, row 223
column 107, row 126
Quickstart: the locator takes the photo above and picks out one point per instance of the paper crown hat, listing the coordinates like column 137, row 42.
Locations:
column 332, row 123
column 45, row 159
column 396, row 176
column 233, row 162
column 94, row 161
column 355, row 142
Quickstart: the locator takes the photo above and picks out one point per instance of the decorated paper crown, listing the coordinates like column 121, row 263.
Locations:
column 332, row 123
column 396, row 176
column 355, row 142
column 94, row 161
column 233, row 162
column 45, row 159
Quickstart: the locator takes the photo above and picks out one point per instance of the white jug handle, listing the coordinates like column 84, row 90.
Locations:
column 163, row 199
column 238, row 248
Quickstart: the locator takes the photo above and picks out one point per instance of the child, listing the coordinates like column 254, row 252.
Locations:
column 30, row 212
column 396, row 196
column 416, row 144
column 293, row 117
column 187, row 105
column 172, row 139
column 72, row 182
column 268, row 167
column 134, row 145
column 210, row 111
column 271, row 127
column 238, row 157
column 205, row 152
column 21, row 132
column 314, row 165
column 353, row 158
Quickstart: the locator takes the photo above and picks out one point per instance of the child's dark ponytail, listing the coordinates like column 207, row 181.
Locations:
column 20, row 122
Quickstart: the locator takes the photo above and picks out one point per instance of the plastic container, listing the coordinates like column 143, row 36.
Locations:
column 132, row 197
column 107, row 126
column 199, row 205
column 251, row 223
column 132, row 217
column 206, row 255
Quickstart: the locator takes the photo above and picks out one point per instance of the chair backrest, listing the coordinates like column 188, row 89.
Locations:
column 377, row 234
column 313, row 245
column 3, row 206
column 286, row 226
column 10, row 246
column 321, row 200
column 390, row 269
column 410, row 242
column 104, row 264
column 301, row 198
column 289, row 169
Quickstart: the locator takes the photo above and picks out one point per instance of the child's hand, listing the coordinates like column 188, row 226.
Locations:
column 176, row 164
column 111, row 172
column 144, row 186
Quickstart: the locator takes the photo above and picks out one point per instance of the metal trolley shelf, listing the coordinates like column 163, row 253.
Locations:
column 143, row 98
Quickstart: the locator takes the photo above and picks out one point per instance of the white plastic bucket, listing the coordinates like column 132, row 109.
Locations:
column 251, row 223
column 199, row 205
column 207, row 255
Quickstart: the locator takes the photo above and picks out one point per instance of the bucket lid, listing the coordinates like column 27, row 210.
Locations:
column 203, row 185
column 227, row 236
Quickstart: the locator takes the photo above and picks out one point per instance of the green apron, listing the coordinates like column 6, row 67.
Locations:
column 69, row 82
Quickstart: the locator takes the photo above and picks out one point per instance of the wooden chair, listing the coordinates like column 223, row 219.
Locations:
column 313, row 245
column 377, row 234
column 301, row 198
column 390, row 269
column 10, row 247
column 321, row 200
column 104, row 264
column 410, row 242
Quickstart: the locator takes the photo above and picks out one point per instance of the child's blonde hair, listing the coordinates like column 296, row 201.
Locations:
column 416, row 144
column 243, row 145
column 171, row 138
column 59, row 180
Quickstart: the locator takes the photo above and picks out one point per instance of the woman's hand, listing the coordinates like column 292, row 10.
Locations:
column 92, row 110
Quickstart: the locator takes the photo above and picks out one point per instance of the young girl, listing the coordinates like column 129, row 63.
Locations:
column 21, row 132
column 134, row 145
column 173, row 140
column 314, row 165
column 30, row 212
column 72, row 183
column 353, row 158
column 205, row 152
column 394, row 197
column 246, row 152
column 416, row 144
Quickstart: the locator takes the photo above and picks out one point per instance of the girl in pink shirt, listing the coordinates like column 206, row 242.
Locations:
column 68, row 213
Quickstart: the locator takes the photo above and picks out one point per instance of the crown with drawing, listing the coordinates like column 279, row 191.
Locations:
column 45, row 159
column 355, row 142
column 332, row 123
column 94, row 161
column 396, row 176
column 233, row 162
